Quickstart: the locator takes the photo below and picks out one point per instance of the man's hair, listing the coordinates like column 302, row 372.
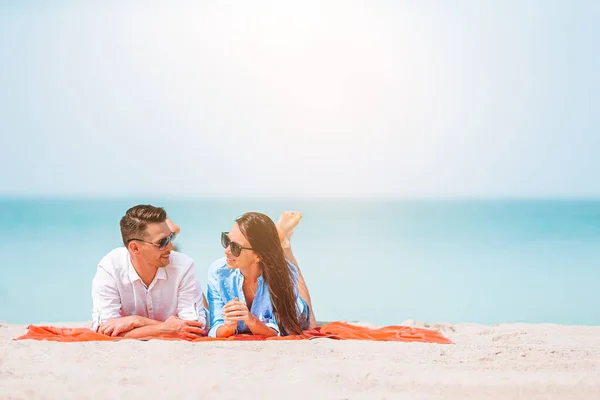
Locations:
column 135, row 221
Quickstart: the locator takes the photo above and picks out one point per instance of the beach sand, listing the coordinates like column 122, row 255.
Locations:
column 512, row 361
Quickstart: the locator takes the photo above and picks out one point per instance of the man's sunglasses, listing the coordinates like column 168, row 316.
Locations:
column 236, row 249
column 162, row 243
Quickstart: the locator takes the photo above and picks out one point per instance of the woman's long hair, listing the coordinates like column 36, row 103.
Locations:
column 262, row 234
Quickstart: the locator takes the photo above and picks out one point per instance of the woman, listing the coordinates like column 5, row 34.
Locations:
column 254, row 289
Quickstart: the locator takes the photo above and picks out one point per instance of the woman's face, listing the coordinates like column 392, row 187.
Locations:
column 247, row 258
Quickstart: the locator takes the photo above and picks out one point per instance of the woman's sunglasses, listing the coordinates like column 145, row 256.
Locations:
column 161, row 244
column 236, row 249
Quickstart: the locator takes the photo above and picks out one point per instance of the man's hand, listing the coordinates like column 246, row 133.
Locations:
column 116, row 326
column 179, row 328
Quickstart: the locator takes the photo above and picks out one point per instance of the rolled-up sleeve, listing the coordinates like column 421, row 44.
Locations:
column 303, row 313
column 223, row 286
column 215, row 305
column 273, row 325
column 190, row 306
column 106, row 302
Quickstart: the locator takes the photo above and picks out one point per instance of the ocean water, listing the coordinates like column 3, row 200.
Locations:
column 484, row 261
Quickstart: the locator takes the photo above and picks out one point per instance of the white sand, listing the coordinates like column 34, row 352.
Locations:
column 486, row 362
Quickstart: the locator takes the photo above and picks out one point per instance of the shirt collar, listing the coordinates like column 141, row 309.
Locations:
column 237, row 271
column 133, row 275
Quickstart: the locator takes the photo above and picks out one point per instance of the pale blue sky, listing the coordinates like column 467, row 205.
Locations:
column 312, row 98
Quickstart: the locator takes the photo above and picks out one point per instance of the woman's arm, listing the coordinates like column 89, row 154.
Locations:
column 219, row 325
column 236, row 310
column 257, row 327
column 215, row 311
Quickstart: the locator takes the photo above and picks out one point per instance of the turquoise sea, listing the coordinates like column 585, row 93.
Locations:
column 484, row 261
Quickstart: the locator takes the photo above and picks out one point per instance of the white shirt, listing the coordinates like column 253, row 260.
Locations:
column 118, row 291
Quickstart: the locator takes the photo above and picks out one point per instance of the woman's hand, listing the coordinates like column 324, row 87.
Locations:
column 235, row 311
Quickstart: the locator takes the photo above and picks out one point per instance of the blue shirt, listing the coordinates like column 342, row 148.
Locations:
column 225, row 284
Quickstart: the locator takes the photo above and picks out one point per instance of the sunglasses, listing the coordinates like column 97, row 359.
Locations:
column 236, row 249
column 162, row 243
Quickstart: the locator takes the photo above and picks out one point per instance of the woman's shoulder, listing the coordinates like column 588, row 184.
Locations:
column 219, row 268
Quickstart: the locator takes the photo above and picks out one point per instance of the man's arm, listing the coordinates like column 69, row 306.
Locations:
column 106, row 310
column 106, row 301
column 190, row 299
column 302, row 288
column 191, row 314
column 122, row 325
column 173, row 327
column 136, row 326
column 150, row 330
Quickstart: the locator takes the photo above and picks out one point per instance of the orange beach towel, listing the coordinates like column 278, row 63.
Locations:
column 333, row 330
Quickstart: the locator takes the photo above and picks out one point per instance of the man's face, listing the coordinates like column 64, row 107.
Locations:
column 152, row 254
column 246, row 257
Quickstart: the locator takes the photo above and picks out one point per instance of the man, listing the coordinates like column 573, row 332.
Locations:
column 146, row 289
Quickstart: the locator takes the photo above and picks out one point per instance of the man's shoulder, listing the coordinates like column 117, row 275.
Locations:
column 180, row 260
